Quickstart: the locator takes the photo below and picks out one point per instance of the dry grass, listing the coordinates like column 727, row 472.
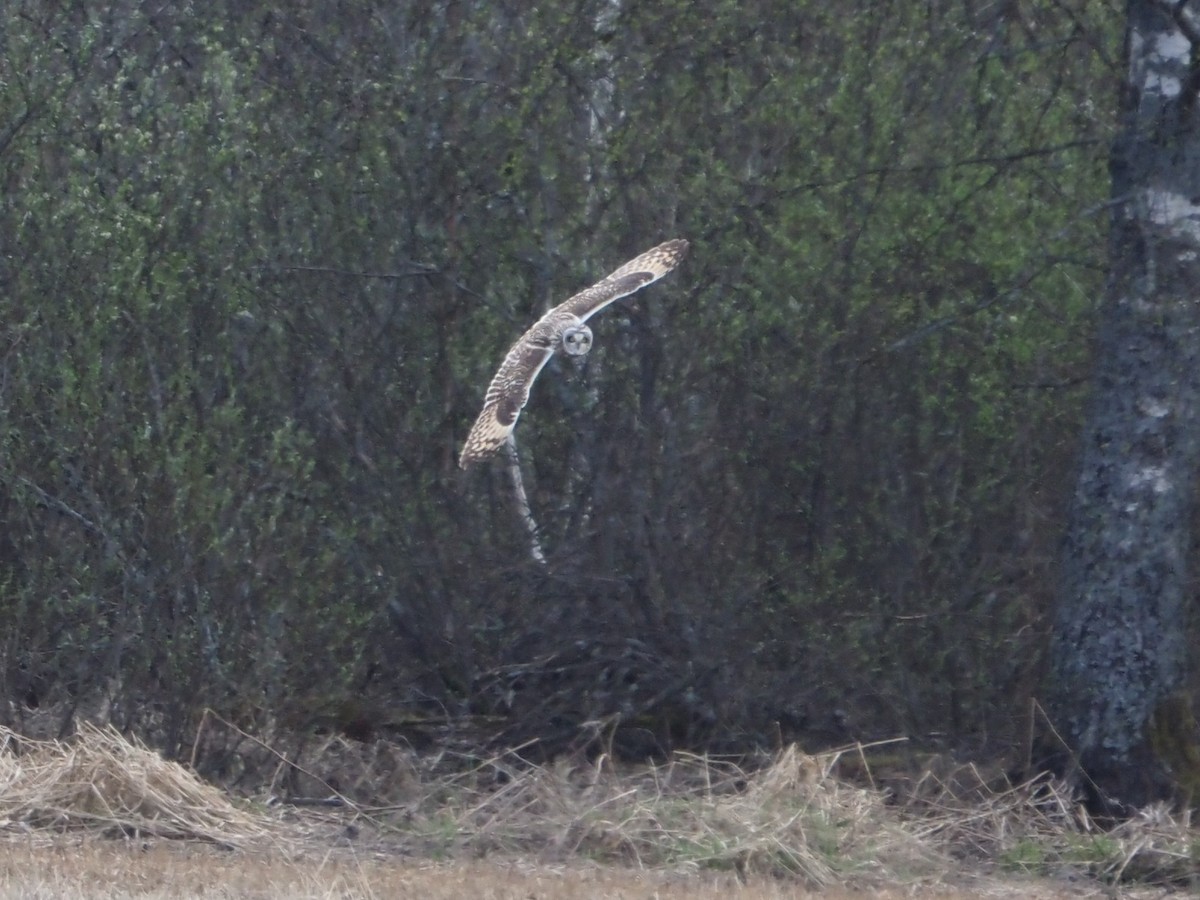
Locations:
column 791, row 819
column 115, row 871
column 695, row 827
column 102, row 781
column 1040, row 828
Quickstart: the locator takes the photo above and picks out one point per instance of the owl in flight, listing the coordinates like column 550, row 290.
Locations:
column 561, row 328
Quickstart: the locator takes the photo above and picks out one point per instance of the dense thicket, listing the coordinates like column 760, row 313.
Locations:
column 260, row 261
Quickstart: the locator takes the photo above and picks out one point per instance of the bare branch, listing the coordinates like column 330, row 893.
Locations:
column 514, row 470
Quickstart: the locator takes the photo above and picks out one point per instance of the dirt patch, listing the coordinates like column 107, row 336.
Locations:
column 107, row 871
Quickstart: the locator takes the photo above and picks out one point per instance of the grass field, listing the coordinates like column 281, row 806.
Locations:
column 108, row 870
column 99, row 816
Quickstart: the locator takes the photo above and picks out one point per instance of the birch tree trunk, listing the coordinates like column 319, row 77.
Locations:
column 1118, row 646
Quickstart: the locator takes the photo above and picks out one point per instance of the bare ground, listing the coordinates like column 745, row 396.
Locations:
column 114, row 870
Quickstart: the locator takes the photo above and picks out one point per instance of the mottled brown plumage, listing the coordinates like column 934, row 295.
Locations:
column 509, row 390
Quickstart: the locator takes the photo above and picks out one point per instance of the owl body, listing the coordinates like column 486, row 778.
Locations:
column 562, row 328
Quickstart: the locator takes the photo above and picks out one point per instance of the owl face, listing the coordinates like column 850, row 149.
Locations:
column 576, row 339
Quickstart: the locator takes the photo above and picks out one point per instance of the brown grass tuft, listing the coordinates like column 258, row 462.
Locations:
column 101, row 780
column 788, row 819
column 1040, row 827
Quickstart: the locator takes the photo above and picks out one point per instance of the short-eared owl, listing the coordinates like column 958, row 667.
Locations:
column 561, row 328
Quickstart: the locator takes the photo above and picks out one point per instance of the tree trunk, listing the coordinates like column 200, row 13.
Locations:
column 1118, row 644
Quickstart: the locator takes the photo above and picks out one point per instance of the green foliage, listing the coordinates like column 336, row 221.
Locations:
column 260, row 264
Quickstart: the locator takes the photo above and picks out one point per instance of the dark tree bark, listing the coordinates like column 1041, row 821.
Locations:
column 1118, row 646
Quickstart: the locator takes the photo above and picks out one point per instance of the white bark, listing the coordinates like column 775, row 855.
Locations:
column 1119, row 648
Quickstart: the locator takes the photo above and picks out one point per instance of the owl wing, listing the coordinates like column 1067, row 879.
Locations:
column 509, row 391
column 633, row 276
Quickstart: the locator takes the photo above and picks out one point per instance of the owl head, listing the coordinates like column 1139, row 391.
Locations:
column 576, row 339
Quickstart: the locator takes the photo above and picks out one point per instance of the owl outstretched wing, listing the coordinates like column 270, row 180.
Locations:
column 509, row 391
